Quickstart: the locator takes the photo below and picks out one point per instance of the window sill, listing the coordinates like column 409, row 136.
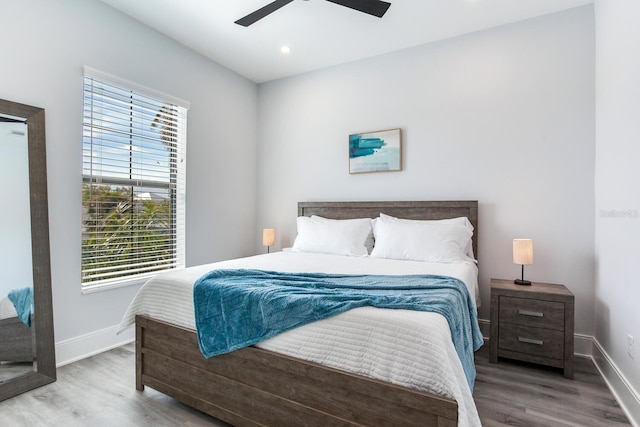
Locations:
column 118, row 283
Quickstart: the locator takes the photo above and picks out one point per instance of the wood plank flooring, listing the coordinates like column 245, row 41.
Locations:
column 100, row 391
column 512, row 393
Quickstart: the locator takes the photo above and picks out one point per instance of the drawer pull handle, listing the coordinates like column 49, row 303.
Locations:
column 531, row 313
column 530, row 341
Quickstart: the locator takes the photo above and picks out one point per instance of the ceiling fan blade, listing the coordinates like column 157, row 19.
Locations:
column 372, row 7
column 262, row 12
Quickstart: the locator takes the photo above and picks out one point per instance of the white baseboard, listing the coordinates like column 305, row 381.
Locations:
column 583, row 345
column 625, row 394
column 588, row 346
column 77, row 348
column 485, row 328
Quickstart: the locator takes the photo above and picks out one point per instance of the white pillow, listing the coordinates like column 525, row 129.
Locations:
column 431, row 241
column 332, row 236
column 461, row 220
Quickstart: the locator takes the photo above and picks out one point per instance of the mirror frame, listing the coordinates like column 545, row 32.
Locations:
column 45, row 362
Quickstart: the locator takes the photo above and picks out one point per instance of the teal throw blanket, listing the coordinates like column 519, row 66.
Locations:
column 22, row 300
column 238, row 308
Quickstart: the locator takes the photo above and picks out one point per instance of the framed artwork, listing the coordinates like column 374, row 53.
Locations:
column 378, row 151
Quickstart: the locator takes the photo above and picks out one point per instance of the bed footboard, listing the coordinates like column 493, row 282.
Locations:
column 255, row 387
column 16, row 341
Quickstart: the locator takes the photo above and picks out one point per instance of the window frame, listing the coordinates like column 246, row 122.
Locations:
column 177, row 194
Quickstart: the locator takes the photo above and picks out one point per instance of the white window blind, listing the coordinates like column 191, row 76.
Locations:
column 133, row 183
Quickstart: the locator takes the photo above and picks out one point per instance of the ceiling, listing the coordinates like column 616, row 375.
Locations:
column 320, row 33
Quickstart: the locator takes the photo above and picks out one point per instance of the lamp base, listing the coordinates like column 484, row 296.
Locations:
column 522, row 282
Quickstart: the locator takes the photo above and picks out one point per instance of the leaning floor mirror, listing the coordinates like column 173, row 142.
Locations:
column 27, row 349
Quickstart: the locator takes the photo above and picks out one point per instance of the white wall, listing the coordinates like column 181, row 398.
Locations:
column 46, row 44
column 617, row 290
column 504, row 116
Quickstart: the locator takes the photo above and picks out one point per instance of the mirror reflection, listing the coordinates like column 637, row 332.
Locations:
column 17, row 337
column 27, row 345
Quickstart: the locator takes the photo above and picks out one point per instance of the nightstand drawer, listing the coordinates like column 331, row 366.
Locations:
column 523, row 339
column 532, row 323
column 532, row 312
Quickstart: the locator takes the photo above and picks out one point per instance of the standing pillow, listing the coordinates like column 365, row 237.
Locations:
column 462, row 220
column 429, row 241
column 331, row 236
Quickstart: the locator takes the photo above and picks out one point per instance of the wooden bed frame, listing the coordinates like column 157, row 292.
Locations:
column 255, row 387
column 17, row 342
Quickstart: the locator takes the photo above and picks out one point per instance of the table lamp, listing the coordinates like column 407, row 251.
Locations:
column 268, row 237
column 522, row 254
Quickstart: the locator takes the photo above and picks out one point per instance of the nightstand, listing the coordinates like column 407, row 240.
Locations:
column 532, row 323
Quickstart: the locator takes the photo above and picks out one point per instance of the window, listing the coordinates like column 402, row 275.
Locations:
column 133, row 182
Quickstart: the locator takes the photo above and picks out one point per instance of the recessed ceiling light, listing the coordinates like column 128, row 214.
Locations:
column 285, row 50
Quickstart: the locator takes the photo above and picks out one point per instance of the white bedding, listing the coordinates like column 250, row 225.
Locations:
column 7, row 310
column 404, row 347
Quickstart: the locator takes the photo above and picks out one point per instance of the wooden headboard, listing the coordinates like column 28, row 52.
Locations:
column 407, row 209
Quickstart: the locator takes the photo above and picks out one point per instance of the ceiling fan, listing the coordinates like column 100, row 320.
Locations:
column 372, row 7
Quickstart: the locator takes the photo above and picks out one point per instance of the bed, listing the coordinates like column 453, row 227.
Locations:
column 265, row 385
column 16, row 338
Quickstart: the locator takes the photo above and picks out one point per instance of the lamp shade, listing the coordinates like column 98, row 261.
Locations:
column 522, row 251
column 268, row 236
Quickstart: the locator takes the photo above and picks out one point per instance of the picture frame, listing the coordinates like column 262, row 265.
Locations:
column 377, row 151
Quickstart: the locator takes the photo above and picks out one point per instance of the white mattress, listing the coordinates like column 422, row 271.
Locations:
column 7, row 310
column 404, row 347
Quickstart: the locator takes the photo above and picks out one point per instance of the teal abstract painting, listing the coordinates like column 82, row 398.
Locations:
column 377, row 151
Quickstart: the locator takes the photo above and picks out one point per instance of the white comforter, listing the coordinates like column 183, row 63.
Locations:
column 404, row 347
column 7, row 310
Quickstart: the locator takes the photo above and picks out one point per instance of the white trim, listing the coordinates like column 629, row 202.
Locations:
column 135, row 86
column 587, row 346
column 485, row 328
column 17, row 118
column 78, row 348
column 121, row 282
column 583, row 345
column 114, row 285
column 138, row 270
column 627, row 397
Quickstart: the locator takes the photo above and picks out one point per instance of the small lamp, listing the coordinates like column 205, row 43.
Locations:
column 522, row 254
column 268, row 237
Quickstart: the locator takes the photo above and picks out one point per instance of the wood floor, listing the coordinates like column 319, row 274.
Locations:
column 100, row 391
column 512, row 393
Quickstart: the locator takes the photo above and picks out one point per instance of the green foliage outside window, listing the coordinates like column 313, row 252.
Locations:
column 119, row 226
